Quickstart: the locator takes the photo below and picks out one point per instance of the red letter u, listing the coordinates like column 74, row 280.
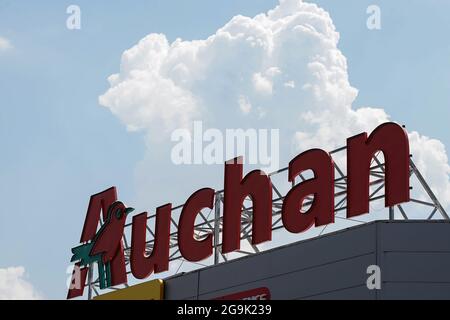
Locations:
column 142, row 265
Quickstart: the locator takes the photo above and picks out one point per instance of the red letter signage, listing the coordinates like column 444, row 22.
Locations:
column 392, row 140
column 258, row 186
column 142, row 265
column 321, row 186
column 104, row 247
column 190, row 248
column 100, row 203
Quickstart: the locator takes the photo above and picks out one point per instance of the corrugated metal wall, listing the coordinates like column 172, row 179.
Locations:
column 414, row 257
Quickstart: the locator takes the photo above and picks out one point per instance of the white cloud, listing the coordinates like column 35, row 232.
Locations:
column 290, row 84
column 14, row 286
column 244, row 104
column 262, row 84
column 5, row 44
column 431, row 158
column 142, row 96
column 286, row 62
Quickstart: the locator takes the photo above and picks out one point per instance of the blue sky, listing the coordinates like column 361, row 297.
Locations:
column 59, row 146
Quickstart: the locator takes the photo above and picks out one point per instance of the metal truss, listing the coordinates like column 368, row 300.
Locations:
column 423, row 206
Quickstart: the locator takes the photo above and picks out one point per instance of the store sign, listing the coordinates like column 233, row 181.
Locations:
column 262, row 293
column 105, row 245
column 151, row 290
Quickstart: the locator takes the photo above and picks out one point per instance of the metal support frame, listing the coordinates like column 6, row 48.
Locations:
column 206, row 224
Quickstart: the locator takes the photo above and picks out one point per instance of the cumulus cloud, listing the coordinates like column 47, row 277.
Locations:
column 5, row 44
column 281, row 69
column 14, row 286
column 244, row 104
column 431, row 158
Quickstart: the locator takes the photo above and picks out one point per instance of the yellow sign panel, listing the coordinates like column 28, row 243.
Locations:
column 152, row 290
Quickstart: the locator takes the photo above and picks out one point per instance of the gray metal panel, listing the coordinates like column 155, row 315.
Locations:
column 354, row 293
column 181, row 287
column 417, row 235
column 302, row 255
column 414, row 258
column 416, row 291
column 416, row 266
column 306, row 282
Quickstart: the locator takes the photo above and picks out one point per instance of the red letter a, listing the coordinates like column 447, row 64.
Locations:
column 321, row 186
column 98, row 204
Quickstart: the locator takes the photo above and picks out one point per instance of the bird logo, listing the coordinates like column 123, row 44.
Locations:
column 105, row 244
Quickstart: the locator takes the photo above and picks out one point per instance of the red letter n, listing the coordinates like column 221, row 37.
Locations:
column 392, row 140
